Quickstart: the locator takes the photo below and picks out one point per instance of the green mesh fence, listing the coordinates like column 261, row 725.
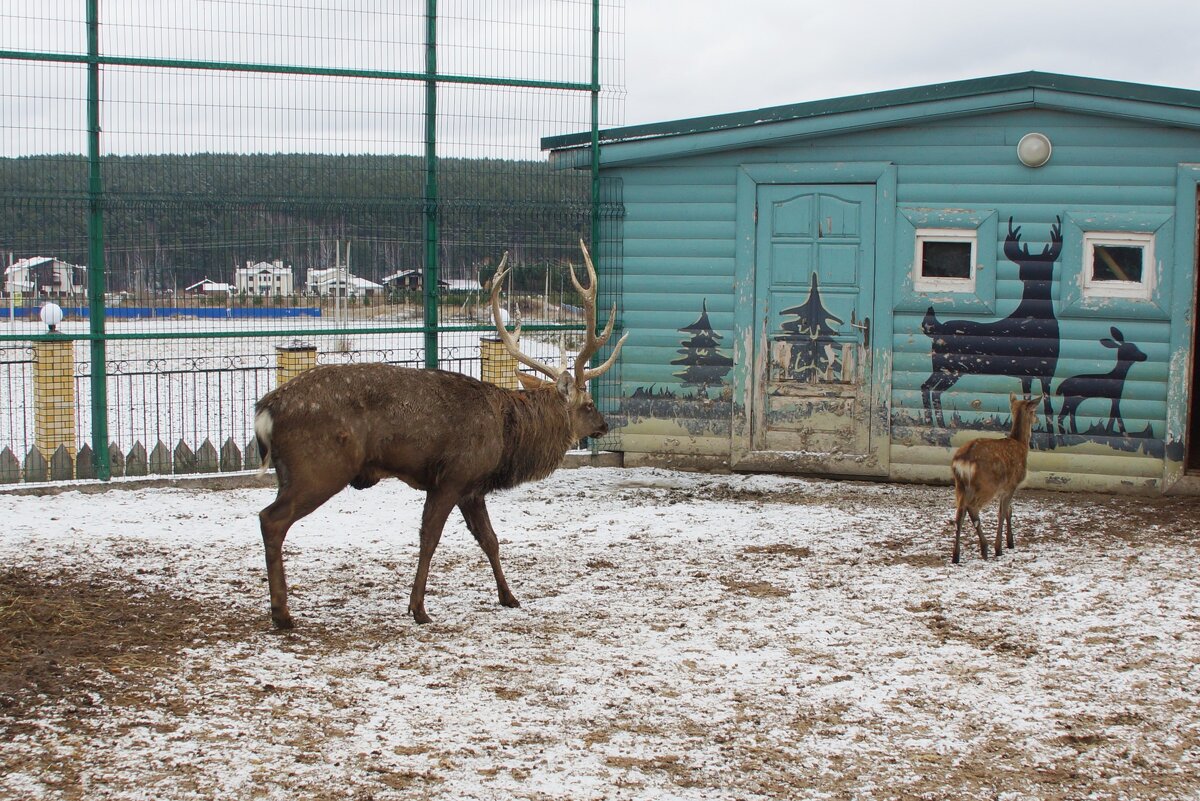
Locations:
column 198, row 184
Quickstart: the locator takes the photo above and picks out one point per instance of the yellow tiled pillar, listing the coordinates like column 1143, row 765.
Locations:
column 54, row 396
column 292, row 360
column 497, row 365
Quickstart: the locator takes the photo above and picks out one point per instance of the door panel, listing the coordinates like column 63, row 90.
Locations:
column 814, row 286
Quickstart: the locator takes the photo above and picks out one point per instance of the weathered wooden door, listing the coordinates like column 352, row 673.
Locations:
column 814, row 288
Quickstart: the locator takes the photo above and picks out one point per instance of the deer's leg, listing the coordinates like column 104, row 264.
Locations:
column 1009, row 538
column 958, row 516
column 1048, row 406
column 1062, row 424
column 289, row 506
column 474, row 511
column 999, row 547
column 936, row 395
column 979, row 533
column 931, row 395
column 438, row 504
column 275, row 520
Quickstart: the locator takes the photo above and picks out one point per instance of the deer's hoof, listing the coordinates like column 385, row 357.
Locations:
column 282, row 621
column 510, row 601
column 421, row 616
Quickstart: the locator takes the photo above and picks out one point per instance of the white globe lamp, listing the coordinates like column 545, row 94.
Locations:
column 52, row 315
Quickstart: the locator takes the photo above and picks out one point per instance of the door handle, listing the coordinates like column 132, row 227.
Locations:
column 865, row 327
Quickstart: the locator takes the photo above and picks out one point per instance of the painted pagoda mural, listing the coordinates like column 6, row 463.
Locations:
column 807, row 349
column 704, row 365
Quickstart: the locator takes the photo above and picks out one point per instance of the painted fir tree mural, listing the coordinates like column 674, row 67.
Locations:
column 814, row 353
column 704, row 364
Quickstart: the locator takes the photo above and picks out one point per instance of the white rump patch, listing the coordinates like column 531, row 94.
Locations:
column 964, row 470
column 263, row 424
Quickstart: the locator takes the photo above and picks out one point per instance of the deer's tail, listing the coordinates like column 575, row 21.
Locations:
column 964, row 470
column 262, row 434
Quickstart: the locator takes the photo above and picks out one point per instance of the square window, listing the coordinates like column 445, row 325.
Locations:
column 1118, row 265
column 945, row 260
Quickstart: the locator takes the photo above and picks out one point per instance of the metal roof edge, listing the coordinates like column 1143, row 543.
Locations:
column 1033, row 80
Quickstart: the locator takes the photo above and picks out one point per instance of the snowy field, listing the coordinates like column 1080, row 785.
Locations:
column 681, row 636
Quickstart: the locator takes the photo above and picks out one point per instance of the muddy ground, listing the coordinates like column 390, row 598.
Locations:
column 681, row 636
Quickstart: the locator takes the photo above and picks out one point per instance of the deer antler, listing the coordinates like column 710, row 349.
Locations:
column 593, row 343
column 1051, row 251
column 1013, row 250
column 510, row 339
column 1016, row 252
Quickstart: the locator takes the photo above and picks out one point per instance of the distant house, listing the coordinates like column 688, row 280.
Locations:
column 264, row 278
column 209, row 287
column 411, row 280
column 45, row 275
column 339, row 281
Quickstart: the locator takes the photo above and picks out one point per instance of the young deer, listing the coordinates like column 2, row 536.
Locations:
column 987, row 468
column 450, row 435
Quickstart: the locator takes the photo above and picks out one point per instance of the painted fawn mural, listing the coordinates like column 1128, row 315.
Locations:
column 1024, row 345
column 1110, row 386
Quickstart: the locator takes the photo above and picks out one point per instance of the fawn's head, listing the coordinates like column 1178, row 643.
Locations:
column 1024, row 414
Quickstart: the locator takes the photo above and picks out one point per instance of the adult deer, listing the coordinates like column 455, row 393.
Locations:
column 1024, row 345
column 988, row 468
column 450, row 435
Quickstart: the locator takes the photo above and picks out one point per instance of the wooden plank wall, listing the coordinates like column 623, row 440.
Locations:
column 679, row 255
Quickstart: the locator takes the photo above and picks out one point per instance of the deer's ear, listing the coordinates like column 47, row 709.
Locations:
column 530, row 381
column 564, row 384
column 1108, row 343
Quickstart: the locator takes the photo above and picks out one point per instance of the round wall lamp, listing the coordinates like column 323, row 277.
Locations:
column 1034, row 149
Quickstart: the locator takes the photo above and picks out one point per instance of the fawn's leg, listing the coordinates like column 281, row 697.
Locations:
column 958, row 516
column 1012, row 540
column 979, row 533
column 1000, row 528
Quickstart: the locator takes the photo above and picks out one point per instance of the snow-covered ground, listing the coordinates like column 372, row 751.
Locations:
column 681, row 636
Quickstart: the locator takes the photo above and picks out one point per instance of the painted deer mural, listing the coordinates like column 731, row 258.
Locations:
column 1024, row 345
column 1111, row 385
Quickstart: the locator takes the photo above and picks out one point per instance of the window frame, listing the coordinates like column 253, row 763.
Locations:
column 923, row 283
column 1135, row 290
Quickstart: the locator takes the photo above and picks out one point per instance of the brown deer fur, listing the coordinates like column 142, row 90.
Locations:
column 990, row 468
column 449, row 435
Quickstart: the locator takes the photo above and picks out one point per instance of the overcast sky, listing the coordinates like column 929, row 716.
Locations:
column 675, row 59
column 690, row 58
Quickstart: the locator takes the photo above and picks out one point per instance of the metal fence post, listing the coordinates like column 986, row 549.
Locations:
column 430, row 281
column 96, row 283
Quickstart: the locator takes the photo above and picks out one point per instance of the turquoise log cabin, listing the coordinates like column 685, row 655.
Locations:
column 855, row 286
